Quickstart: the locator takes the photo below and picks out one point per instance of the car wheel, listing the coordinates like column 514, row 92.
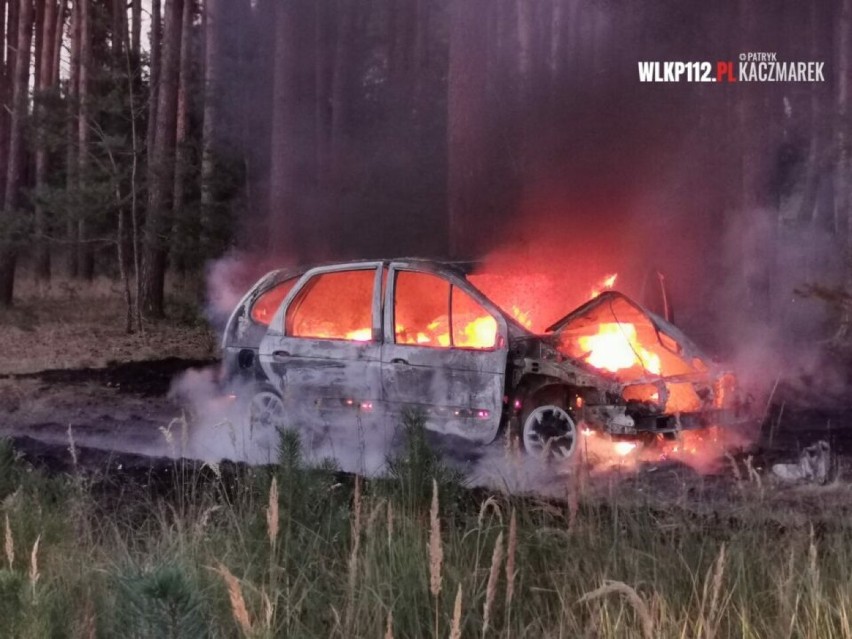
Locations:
column 264, row 418
column 549, row 431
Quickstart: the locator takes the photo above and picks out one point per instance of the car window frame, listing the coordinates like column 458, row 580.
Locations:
column 279, row 321
column 500, row 340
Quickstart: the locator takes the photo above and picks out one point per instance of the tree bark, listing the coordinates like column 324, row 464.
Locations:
column 324, row 75
column 119, row 31
column 281, row 220
column 807, row 213
column 56, row 45
column 181, row 237
column 136, row 29
column 842, row 175
column 14, row 177
column 467, row 134
column 161, row 167
column 5, row 97
column 526, row 24
column 38, row 40
column 72, row 161
column 154, row 74
column 86, row 251
column 341, row 90
column 41, row 251
column 210, row 128
column 12, row 39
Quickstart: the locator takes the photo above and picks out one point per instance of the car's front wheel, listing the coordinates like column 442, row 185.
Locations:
column 548, row 431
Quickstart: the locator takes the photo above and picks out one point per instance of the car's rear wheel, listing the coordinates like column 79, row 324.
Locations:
column 548, row 431
column 264, row 418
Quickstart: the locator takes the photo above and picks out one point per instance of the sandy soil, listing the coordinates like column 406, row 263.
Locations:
column 71, row 326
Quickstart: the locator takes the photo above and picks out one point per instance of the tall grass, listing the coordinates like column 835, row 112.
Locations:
column 300, row 551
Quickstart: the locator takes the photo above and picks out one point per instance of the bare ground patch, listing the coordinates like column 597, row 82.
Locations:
column 72, row 325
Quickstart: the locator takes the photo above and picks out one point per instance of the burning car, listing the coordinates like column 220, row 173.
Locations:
column 383, row 337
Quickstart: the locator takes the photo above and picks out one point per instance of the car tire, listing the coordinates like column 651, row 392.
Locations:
column 547, row 430
column 262, row 420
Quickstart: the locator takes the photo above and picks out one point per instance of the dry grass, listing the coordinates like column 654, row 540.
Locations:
column 511, row 571
column 455, row 626
column 82, row 326
column 491, row 588
column 272, row 516
column 9, row 545
column 34, row 573
column 334, row 572
column 353, row 554
column 238, row 602
column 436, row 550
column 389, row 625
column 633, row 598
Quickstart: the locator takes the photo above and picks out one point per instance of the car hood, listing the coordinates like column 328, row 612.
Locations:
column 619, row 339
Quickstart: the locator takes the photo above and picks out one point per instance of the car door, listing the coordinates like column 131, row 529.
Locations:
column 323, row 347
column 444, row 352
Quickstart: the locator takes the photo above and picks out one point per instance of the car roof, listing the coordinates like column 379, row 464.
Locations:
column 460, row 268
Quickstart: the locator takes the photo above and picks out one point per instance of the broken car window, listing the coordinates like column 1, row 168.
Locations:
column 263, row 310
column 334, row 306
column 421, row 309
column 422, row 314
column 473, row 326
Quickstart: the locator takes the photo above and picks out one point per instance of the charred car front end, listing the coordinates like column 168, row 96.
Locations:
column 377, row 338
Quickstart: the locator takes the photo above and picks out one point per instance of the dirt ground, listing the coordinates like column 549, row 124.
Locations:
column 117, row 416
column 70, row 377
column 69, row 326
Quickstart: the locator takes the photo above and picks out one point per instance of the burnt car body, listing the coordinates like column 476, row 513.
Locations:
column 382, row 337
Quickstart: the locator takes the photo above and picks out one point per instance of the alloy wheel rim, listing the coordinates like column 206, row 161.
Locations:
column 550, row 430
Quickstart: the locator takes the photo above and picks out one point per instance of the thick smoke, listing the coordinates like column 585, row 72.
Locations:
column 700, row 184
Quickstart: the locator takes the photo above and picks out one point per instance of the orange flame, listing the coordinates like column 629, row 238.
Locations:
column 523, row 317
column 360, row 335
column 703, row 450
column 615, row 347
column 604, row 285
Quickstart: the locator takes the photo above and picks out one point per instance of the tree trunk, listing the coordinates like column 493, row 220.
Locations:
column 38, row 40
column 467, row 134
column 5, row 97
column 181, row 235
column 10, row 46
column 807, row 209
column 282, row 217
column 119, row 31
column 57, row 40
column 41, row 251
column 557, row 45
column 14, row 177
column 843, row 204
column 324, row 74
column 423, row 26
column 154, row 74
column 341, row 92
column 161, row 167
column 86, row 251
column 210, row 128
column 526, row 23
column 136, row 29
column 72, row 168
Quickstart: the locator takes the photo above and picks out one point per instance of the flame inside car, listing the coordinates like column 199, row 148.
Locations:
column 615, row 347
column 610, row 368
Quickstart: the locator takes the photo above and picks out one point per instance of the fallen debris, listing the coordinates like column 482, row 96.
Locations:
column 814, row 465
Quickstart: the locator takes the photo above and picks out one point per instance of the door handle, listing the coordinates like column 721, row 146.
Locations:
column 399, row 360
column 280, row 354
